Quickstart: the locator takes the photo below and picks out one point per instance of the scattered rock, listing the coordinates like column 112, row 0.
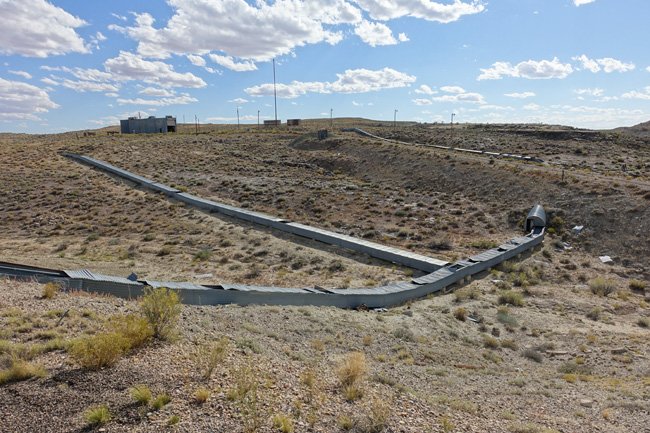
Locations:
column 586, row 402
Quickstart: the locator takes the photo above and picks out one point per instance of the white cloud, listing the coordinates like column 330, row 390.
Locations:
column 351, row 81
column 375, row 34
column 196, row 60
column 531, row 69
column 522, row 95
column 643, row 95
column 421, row 101
column 613, row 65
column 23, row 74
column 162, row 102
column 89, row 86
column 230, row 63
column 587, row 63
column 37, row 28
column 582, row 2
column 384, row 10
column 262, row 30
column 607, row 64
column 154, row 91
column 128, row 66
column 590, row 92
column 532, row 107
column 452, row 89
column 425, row 90
column 22, row 101
column 472, row 98
column 239, row 101
column 648, row 69
column 257, row 32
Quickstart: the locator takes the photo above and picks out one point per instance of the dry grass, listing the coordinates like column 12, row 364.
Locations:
column 99, row 351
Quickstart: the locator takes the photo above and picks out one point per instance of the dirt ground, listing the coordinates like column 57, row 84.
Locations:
column 551, row 365
column 568, row 359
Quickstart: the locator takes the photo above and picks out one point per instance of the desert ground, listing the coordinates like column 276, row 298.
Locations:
column 556, row 342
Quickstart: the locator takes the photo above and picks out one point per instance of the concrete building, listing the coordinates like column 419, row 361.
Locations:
column 150, row 125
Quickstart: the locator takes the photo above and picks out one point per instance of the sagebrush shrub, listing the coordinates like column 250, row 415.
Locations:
column 162, row 308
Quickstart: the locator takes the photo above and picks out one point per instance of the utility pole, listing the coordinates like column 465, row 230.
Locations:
column 395, row 119
column 275, row 95
column 258, row 118
column 331, row 118
column 452, row 118
column 196, row 125
column 237, row 117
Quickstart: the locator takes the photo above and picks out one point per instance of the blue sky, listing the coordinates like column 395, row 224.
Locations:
column 71, row 65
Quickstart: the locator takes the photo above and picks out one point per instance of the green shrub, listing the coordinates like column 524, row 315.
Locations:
column 203, row 255
column 511, row 297
column 135, row 329
column 533, row 355
column 100, row 350
column 283, row 423
column 162, row 308
column 210, row 356
column 504, row 316
column 141, row 394
column 201, row 395
column 98, row 415
column 173, row 420
column 490, row 342
column 602, row 286
column 161, row 401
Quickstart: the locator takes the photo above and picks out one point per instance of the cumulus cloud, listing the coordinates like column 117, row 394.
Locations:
column 375, row 34
column 606, row 64
column 230, row 63
column 239, row 100
column 351, row 81
column 452, row 89
column 530, row 69
column 196, row 60
column 425, row 90
column 262, row 30
column 129, row 66
column 22, row 101
column 26, row 75
column 424, row 9
column 522, row 95
column 582, row 2
column 37, row 28
column 154, row 91
column 256, row 32
column 455, row 94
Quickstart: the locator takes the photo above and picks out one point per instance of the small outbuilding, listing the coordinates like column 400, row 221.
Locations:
column 150, row 125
